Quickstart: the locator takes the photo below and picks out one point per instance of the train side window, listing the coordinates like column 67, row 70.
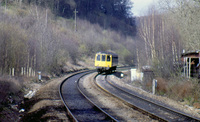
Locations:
column 98, row 57
column 103, row 57
column 108, row 57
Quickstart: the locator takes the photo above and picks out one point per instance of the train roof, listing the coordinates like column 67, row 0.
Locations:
column 105, row 52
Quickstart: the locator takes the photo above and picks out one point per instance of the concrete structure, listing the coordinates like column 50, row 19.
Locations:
column 135, row 75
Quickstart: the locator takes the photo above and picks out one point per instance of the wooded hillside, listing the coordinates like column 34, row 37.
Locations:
column 115, row 14
column 32, row 36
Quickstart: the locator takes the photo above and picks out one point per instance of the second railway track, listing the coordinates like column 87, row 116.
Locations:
column 158, row 111
column 80, row 109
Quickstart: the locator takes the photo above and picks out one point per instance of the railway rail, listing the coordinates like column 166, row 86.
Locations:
column 81, row 108
column 78, row 106
column 160, row 112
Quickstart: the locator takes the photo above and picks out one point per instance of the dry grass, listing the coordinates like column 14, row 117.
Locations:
column 162, row 85
column 9, row 86
column 180, row 89
column 177, row 88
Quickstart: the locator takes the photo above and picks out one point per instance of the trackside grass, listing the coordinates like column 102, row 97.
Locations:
column 180, row 89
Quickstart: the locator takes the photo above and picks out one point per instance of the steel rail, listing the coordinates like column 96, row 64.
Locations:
column 62, row 99
column 188, row 117
column 70, row 113
column 78, row 86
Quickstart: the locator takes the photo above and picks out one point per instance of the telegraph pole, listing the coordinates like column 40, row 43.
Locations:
column 5, row 5
column 75, row 12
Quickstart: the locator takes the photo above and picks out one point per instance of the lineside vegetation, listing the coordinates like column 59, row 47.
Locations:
column 31, row 36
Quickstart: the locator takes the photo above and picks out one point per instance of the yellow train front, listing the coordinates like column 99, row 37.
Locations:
column 106, row 61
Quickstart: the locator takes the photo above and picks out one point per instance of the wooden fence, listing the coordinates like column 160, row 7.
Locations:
column 25, row 71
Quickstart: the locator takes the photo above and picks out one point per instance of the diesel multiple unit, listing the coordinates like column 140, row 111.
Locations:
column 106, row 61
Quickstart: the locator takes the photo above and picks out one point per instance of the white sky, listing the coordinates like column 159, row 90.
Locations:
column 141, row 6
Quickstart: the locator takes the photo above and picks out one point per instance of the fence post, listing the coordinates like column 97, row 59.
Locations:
column 22, row 71
column 29, row 72
column 154, row 85
column 13, row 71
column 39, row 76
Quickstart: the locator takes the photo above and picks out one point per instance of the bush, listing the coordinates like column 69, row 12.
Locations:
column 8, row 86
column 32, row 36
column 180, row 88
column 162, row 85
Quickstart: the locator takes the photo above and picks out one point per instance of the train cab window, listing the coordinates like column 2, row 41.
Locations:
column 108, row 57
column 98, row 57
column 103, row 57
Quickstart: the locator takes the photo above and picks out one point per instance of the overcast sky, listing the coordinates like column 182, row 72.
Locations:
column 141, row 6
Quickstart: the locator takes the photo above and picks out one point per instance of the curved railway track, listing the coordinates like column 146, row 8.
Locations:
column 78, row 107
column 160, row 112
column 81, row 108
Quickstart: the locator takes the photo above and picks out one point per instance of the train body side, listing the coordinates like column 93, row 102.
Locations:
column 106, row 61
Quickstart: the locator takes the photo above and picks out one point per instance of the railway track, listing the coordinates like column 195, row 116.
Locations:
column 79, row 108
column 157, row 111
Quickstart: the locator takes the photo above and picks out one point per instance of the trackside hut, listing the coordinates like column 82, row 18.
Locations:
column 191, row 64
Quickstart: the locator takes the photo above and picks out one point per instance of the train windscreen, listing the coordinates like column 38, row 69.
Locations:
column 98, row 57
column 103, row 58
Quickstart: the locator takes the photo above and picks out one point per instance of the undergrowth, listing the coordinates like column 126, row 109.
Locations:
column 180, row 89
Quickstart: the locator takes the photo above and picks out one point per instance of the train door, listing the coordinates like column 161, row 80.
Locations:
column 109, row 61
column 103, row 59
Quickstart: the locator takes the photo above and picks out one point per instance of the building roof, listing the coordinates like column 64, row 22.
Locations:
column 195, row 54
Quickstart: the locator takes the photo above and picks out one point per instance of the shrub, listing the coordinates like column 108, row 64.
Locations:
column 180, row 88
column 162, row 85
column 8, row 86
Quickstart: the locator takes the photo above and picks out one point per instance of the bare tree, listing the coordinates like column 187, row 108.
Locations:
column 185, row 14
column 147, row 32
column 161, row 40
